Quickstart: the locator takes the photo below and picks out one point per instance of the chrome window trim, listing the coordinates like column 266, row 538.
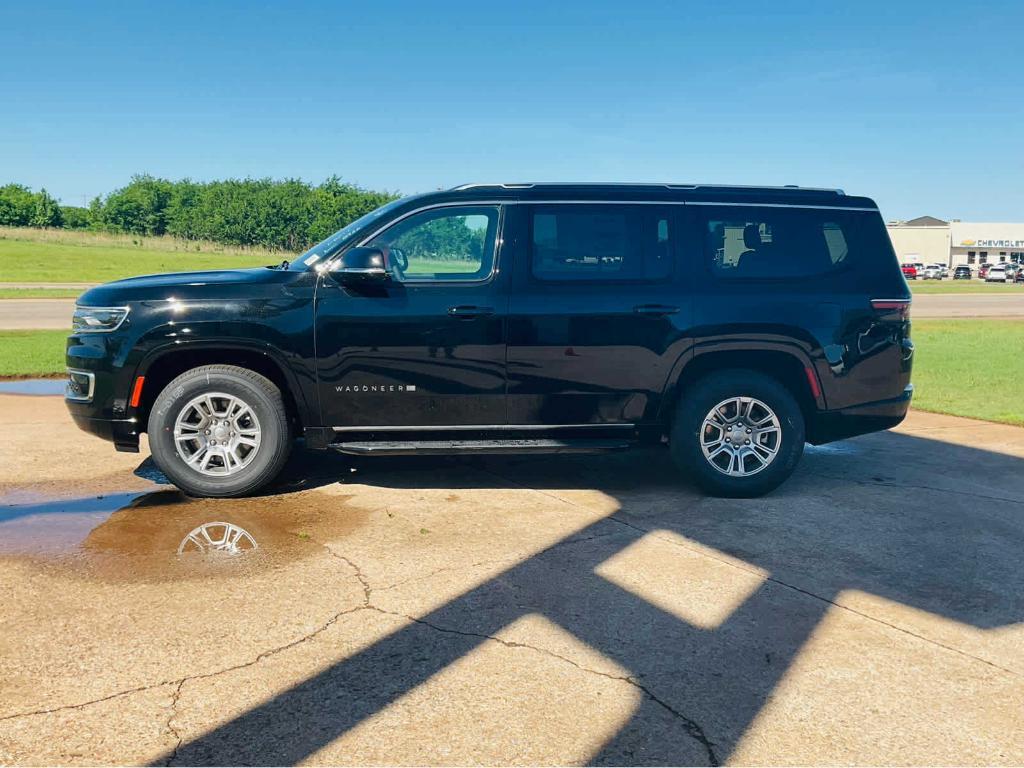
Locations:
column 87, row 398
column 127, row 311
column 500, row 204
column 479, row 427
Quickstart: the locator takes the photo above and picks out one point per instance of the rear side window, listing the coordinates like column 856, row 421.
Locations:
column 752, row 242
column 601, row 242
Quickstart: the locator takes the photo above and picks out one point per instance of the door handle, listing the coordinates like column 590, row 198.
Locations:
column 655, row 309
column 468, row 312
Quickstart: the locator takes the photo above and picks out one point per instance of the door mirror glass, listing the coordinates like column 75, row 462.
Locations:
column 362, row 265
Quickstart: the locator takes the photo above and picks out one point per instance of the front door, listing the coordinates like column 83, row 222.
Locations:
column 426, row 348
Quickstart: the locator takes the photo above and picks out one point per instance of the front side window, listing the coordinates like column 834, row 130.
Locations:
column 441, row 244
column 755, row 242
column 601, row 242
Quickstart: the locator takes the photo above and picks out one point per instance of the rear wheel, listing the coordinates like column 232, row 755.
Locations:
column 220, row 430
column 737, row 433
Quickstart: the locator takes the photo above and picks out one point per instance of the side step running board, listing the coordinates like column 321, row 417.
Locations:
column 423, row 447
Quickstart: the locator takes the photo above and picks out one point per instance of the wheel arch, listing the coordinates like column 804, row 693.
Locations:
column 789, row 365
column 163, row 365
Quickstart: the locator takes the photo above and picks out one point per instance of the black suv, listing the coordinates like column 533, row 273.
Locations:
column 734, row 323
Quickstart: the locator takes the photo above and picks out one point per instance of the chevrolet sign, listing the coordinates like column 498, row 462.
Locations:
column 993, row 243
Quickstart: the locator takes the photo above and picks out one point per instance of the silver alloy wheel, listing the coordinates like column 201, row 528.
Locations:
column 218, row 537
column 217, row 434
column 740, row 436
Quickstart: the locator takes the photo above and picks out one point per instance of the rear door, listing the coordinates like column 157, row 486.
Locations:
column 426, row 348
column 599, row 312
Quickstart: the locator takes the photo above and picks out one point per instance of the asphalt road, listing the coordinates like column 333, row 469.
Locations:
column 517, row 610
column 56, row 313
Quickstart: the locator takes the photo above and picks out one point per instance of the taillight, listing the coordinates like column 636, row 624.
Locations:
column 899, row 307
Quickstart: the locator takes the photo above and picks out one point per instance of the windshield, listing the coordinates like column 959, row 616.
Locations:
column 327, row 248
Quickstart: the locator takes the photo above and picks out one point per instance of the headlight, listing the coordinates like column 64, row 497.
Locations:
column 99, row 319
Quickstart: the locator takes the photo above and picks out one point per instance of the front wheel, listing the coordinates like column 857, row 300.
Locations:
column 220, row 430
column 737, row 433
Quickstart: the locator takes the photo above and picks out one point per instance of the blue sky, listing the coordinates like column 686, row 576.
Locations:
column 917, row 104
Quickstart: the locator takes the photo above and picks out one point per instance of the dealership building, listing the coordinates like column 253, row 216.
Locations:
column 933, row 241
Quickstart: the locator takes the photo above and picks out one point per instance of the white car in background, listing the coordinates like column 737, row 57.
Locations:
column 932, row 272
column 997, row 273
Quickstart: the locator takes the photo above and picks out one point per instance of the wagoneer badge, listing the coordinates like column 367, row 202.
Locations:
column 377, row 388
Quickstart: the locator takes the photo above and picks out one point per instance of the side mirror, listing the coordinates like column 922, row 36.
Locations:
column 362, row 266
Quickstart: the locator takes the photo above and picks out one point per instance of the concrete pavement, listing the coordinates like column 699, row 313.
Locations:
column 56, row 313
column 41, row 314
column 516, row 610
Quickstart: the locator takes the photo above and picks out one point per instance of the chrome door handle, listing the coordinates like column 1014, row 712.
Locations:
column 655, row 309
column 468, row 313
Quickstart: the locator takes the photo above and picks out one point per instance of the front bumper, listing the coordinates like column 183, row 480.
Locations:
column 123, row 433
column 876, row 416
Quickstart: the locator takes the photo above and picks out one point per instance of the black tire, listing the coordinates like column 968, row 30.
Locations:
column 697, row 401
column 258, row 392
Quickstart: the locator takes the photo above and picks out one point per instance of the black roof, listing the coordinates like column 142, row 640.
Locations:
column 561, row 191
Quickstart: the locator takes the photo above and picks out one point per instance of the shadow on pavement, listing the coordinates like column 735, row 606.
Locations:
column 935, row 526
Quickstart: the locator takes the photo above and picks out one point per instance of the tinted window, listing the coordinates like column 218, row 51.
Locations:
column 601, row 242
column 442, row 244
column 778, row 242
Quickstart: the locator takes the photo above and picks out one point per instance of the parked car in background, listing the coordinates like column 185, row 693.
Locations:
column 983, row 270
column 945, row 270
column 1019, row 277
column 909, row 271
column 932, row 272
column 498, row 318
column 962, row 273
column 996, row 274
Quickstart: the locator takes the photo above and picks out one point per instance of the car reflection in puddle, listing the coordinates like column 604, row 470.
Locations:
column 225, row 538
column 167, row 535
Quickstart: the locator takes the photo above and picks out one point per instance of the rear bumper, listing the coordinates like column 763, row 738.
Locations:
column 123, row 433
column 859, row 419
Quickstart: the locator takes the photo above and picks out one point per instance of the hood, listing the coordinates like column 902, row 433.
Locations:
column 227, row 283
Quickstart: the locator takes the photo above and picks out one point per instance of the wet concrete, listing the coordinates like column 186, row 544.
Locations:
column 518, row 610
column 147, row 535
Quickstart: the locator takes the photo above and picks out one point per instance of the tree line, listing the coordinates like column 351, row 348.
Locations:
column 289, row 215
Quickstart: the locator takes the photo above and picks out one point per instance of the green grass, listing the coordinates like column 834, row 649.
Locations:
column 42, row 256
column 967, row 368
column 41, row 293
column 963, row 286
column 32, row 353
column 970, row 368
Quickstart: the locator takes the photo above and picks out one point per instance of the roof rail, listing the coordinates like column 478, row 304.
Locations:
column 531, row 185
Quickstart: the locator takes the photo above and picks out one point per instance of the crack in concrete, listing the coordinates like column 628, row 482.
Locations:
column 787, row 585
column 180, row 682
column 691, row 726
column 815, row 596
column 178, row 737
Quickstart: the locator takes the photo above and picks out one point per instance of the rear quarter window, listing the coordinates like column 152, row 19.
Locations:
column 744, row 242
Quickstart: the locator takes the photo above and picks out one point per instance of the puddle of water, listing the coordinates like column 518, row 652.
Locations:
column 32, row 524
column 32, row 387
column 840, row 448
column 165, row 535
